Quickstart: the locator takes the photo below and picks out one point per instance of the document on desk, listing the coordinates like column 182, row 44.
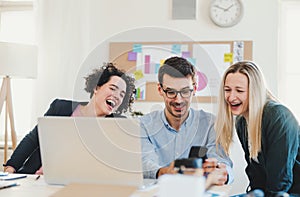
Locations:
column 10, row 177
column 3, row 173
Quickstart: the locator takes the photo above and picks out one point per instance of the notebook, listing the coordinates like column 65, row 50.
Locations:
column 91, row 150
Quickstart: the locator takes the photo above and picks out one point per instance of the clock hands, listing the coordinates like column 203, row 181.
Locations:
column 228, row 8
column 217, row 6
column 224, row 9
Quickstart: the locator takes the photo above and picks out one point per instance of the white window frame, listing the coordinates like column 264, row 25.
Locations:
column 22, row 123
column 289, row 75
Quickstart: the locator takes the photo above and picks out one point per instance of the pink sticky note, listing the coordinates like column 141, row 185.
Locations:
column 147, row 64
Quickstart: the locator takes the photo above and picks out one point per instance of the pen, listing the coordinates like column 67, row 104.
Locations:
column 37, row 178
column 8, row 186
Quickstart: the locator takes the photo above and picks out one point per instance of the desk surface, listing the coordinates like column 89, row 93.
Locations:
column 31, row 187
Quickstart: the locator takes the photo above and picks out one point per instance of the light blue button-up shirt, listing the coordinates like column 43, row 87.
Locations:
column 162, row 144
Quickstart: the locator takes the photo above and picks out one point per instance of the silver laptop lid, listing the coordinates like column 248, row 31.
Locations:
column 91, row 150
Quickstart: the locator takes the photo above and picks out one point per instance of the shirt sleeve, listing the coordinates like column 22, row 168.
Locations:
column 27, row 145
column 25, row 148
column 149, row 156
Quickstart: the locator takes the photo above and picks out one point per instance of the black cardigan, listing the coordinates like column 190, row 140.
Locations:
column 278, row 168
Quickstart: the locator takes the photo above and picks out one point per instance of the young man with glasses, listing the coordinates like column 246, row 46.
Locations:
column 169, row 134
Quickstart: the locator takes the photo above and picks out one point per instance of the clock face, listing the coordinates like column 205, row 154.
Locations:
column 226, row 13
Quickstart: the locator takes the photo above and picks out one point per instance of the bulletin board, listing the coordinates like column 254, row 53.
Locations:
column 143, row 59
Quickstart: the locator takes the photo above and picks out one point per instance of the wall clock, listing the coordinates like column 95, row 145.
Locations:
column 226, row 13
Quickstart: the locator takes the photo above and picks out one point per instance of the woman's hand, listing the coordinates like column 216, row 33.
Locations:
column 9, row 169
column 39, row 171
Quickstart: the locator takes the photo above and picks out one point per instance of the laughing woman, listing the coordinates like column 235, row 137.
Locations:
column 111, row 94
column 268, row 131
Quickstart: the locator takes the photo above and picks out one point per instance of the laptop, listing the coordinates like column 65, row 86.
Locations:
column 91, row 150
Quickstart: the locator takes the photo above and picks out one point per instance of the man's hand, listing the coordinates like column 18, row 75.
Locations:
column 217, row 172
column 166, row 170
column 218, row 176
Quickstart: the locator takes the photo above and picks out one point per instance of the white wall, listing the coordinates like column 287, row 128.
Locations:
column 70, row 30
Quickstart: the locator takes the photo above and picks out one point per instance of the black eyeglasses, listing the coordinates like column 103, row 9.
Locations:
column 184, row 93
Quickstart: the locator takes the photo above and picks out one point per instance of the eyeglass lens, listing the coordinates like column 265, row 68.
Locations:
column 185, row 93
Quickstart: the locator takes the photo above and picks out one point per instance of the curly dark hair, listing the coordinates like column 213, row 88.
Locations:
column 102, row 75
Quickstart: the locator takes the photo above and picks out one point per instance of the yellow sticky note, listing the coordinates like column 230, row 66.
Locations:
column 138, row 74
column 228, row 57
column 162, row 62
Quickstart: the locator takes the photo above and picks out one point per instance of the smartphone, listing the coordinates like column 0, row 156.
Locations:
column 198, row 152
column 188, row 163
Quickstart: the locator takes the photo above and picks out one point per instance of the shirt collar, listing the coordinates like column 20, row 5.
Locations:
column 188, row 121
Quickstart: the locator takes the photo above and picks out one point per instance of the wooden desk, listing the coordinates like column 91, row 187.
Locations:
column 31, row 187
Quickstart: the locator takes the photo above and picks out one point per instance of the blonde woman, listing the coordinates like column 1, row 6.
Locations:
column 268, row 131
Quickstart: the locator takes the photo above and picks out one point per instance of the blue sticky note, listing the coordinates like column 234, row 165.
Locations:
column 137, row 48
column 176, row 48
column 192, row 61
column 157, row 66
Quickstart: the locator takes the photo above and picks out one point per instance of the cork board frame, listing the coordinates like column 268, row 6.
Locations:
column 118, row 54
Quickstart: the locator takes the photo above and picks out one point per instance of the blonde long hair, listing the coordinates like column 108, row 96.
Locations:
column 257, row 96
